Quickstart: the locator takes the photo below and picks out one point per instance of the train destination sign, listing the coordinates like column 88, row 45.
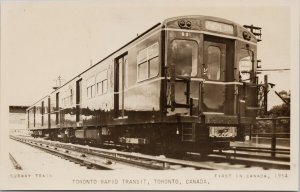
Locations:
column 219, row 27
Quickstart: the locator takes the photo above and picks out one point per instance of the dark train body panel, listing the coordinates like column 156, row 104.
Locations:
column 185, row 82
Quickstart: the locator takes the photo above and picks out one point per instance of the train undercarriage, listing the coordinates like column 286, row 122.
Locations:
column 157, row 139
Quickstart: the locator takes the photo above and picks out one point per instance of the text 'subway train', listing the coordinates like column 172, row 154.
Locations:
column 186, row 84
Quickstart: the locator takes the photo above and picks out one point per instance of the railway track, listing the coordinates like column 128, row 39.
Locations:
column 255, row 156
column 14, row 162
column 98, row 158
column 279, row 154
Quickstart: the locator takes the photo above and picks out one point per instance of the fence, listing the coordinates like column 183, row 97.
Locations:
column 271, row 131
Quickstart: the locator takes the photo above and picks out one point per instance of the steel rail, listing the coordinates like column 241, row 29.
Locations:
column 14, row 162
column 262, row 150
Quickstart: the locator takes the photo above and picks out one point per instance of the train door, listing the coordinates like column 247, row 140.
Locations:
column 42, row 112
column 28, row 120
column 120, row 78
column 57, row 108
column 214, row 57
column 49, row 113
column 34, row 112
column 78, row 100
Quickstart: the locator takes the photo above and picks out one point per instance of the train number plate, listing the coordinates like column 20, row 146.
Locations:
column 222, row 131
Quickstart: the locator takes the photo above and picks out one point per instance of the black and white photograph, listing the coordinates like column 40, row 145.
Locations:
column 149, row 95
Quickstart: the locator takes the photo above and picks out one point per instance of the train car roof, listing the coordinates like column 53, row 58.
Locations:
column 202, row 17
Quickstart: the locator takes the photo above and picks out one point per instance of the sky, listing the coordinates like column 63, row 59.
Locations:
column 41, row 40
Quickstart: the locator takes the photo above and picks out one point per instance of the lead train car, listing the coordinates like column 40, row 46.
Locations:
column 186, row 84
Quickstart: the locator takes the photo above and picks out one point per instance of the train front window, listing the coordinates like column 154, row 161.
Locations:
column 245, row 65
column 214, row 63
column 184, row 56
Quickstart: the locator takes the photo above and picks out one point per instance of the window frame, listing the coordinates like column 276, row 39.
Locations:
column 251, row 74
column 147, row 62
column 219, row 64
column 101, row 82
column 224, row 58
column 90, row 82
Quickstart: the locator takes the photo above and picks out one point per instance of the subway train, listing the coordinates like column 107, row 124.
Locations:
column 188, row 84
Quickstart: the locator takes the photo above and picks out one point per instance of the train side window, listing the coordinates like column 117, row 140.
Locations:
column 153, row 67
column 214, row 63
column 93, row 90
column 142, row 71
column 147, row 62
column 71, row 96
column 102, row 81
column 104, row 84
column 90, row 87
column 88, row 92
column 99, row 88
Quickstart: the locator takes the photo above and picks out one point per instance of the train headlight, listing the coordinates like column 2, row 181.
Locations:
column 184, row 24
column 181, row 23
column 188, row 24
column 246, row 35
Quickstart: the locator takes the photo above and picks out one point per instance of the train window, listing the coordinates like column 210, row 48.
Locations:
column 143, row 71
column 93, row 90
column 102, row 87
column 184, row 56
column 153, row 51
column 214, row 63
column 147, row 62
column 245, row 65
column 104, row 84
column 99, row 88
column 91, row 87
column 142, row 56
column 153, row 67
column 101, row 80
column 88, row 92
column 68, row 98
column 71, row 97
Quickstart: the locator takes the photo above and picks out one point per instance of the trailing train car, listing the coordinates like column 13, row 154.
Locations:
column 186, row 84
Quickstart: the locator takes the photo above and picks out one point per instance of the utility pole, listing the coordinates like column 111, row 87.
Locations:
column 255, row 31
column 58, row 82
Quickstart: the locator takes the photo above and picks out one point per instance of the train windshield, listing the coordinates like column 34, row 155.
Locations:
column 245, row 65
column 214, row 63
column 184, row 56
